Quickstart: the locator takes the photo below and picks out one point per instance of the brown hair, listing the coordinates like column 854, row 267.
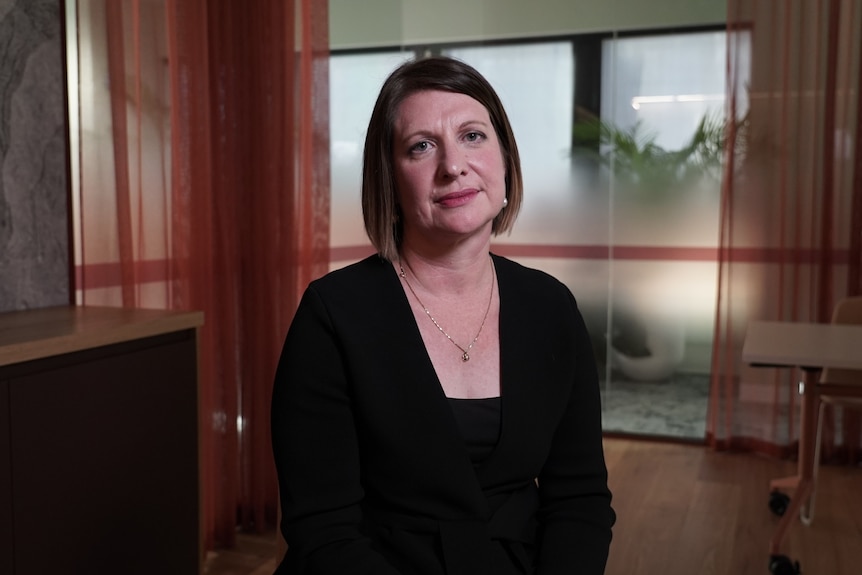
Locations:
column 379, row 201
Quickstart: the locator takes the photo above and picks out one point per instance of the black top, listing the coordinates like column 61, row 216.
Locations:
column 479, row 422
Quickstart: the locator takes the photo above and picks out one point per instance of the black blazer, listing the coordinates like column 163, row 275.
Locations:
column 373, row 473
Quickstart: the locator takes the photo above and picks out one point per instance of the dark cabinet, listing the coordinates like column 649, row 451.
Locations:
column 99, row 466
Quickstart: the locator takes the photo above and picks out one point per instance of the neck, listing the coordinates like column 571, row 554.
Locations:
column 453, row 275
column 446, row 250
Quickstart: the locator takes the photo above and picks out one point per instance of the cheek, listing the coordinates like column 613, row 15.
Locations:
column 409, row 181
column 400, row 174
column 495, row 166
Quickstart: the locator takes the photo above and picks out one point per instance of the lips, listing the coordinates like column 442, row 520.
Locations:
column 458, row 198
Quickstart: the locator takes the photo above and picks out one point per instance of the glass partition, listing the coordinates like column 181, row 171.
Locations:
column 622, row 164
column 660, row 144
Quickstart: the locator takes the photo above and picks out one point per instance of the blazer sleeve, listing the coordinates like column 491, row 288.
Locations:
column 575, row 515
column 316, row 452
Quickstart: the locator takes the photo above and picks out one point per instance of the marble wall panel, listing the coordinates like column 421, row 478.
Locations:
column 34, row 239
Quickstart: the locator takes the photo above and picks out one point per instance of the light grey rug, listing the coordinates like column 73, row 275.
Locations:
column 675, row 408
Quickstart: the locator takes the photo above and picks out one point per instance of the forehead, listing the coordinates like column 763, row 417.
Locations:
column 438, row 105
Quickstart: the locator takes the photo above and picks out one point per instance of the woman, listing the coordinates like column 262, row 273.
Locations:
column 436, row 407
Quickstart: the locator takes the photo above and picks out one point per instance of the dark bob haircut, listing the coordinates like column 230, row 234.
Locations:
column 379, row 201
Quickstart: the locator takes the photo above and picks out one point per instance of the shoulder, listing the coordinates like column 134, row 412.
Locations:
column 365, row 274
column 538, row 307
column 357, row 292
column 532, row 297
column 359, row 304
column 529, row 282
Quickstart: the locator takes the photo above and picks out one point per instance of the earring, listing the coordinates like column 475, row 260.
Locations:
column 505, row 202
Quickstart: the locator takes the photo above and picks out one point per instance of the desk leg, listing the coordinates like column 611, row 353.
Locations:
column 803, row 482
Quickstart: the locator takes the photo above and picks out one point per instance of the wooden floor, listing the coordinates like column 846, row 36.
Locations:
column 682, row 510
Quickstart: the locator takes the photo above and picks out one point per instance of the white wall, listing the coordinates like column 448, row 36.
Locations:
column 374, row 23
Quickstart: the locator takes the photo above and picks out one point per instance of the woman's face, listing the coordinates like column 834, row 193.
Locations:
column 449, row 168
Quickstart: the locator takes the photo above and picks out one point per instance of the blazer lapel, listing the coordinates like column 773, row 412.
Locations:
column 428, row 421
column 526, row 369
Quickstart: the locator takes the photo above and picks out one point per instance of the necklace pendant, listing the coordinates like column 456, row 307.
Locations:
column 465, row 356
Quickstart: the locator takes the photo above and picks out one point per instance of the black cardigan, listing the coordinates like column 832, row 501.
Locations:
column 374, row 476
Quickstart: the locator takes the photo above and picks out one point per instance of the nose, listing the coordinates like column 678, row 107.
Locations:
column 453, row 163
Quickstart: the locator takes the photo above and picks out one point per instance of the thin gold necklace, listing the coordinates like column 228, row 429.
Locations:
column 465, row 355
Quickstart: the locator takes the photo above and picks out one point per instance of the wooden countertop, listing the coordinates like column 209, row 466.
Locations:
column 39, row 333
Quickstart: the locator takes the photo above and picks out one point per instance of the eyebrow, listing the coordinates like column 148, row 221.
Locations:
column 466, row 124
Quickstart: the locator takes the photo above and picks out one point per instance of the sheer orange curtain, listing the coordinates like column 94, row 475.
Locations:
column 791, row 221
column 219, row 201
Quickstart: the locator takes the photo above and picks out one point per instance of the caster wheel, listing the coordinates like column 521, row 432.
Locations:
column 782, row 565
column 778, row 502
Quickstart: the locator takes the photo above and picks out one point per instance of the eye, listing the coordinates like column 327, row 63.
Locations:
column 420, row 146
column 474, row 136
